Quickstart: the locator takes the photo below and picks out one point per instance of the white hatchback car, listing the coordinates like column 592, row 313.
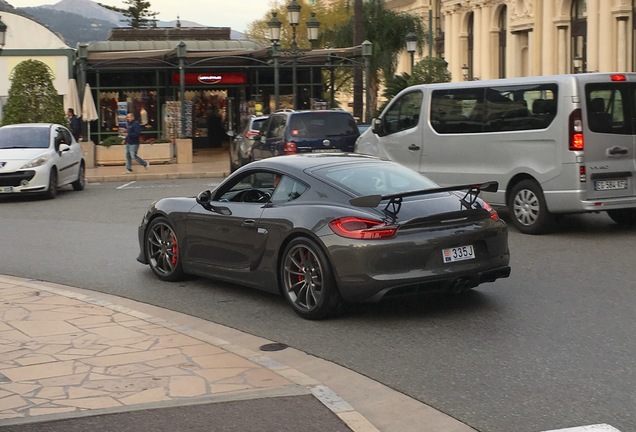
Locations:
column 39, row 158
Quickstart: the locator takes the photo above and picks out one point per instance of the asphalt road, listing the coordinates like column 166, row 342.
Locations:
column 551, row 347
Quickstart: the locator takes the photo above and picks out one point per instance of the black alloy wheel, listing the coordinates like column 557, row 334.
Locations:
column 162, row 250
column 307, row 280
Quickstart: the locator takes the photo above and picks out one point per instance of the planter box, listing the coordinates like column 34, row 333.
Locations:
column 116, row 154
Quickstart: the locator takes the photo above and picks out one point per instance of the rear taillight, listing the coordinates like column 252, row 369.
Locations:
column 360, row 228
column 493, row 213
column 290, row 148
column 250, row 134
column 576, row 131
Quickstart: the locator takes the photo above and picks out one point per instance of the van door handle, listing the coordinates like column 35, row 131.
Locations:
column 414, row 147
column 249, row 222
column 616, row 151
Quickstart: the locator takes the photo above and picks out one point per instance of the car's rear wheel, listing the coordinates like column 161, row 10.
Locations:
column 162, row 250
column 51, row 191
column 307, row 280
column 528, row 210
column 80, row 183
column 624, row 217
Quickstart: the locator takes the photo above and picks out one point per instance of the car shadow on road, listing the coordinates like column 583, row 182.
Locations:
column 438, row 305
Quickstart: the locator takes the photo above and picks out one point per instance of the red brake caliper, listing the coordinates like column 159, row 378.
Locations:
column 300, row 277
column 175, row 251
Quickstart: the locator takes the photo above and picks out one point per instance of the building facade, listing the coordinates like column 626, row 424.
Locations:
column 25, row 39
column 486, row 39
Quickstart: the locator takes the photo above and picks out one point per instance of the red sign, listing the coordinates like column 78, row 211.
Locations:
column 211, row 78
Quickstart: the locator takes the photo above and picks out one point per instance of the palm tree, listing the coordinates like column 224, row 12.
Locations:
column 386, row 30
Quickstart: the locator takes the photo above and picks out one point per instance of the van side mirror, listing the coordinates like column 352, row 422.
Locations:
column 377, row 126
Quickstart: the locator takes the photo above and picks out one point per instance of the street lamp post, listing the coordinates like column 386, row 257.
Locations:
column 274, row 24
column 182, row 52
column 367, row 53
column 411, row 46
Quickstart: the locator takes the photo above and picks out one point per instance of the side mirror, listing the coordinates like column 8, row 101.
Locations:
column 377, row 126
column 64, row 148
column 204, row 199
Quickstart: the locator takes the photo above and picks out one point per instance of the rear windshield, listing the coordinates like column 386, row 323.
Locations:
column 322, row 124
column 610, row 107
column 24, row 137
column 375, row 178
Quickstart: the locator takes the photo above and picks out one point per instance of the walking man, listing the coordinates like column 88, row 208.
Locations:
column 74, row 124
column 133, row 131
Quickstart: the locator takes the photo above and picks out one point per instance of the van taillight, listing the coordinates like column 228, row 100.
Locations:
column 618, row 77
column 576, row 131
column 290, row 148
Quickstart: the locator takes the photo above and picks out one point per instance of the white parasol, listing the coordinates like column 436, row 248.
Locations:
column 89, row 110
column 71, row 98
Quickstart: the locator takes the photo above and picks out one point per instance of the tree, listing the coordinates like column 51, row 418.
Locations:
column 32, row 96
column 429, row 70
column 137, row 13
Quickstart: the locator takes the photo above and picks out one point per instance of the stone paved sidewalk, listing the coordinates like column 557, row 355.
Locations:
column 63, row 353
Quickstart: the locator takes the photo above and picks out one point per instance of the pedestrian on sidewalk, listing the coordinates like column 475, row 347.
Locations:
column 133, row 132
column 74, row 124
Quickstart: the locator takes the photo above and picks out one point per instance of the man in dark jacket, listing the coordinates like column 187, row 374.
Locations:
column 74, row 124
column 133, row 132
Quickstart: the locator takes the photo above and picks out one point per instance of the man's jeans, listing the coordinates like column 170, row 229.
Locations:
column 131, row 153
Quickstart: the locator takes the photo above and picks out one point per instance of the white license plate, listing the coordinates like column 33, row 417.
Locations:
column 460, row 253
column 601, row 185
column 6, row 189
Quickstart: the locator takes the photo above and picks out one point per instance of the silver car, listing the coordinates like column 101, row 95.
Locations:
column 39, row 158
column 241, row 146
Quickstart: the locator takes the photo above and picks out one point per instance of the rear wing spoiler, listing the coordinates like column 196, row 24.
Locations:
column 395, row 200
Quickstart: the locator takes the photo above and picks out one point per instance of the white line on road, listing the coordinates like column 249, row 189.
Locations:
column 591, row 428
column 124, row 186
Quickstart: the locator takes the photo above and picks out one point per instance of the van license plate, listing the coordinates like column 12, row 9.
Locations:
column 601, row 185
column 6, row 189
column 460, row 253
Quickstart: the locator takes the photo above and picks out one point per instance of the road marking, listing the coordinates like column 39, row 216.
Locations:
column 591, row 428
column 124, row 186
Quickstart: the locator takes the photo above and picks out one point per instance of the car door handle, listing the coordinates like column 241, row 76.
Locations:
column 616, row 151
column 414, row 147
column 249, row 222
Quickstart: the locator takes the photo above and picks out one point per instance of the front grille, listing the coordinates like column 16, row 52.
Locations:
column 15, row 178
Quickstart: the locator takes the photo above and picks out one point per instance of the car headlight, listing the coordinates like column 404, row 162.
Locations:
column 38, row 161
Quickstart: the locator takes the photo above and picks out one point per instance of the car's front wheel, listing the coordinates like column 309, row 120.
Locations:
column 162, row 250
column 51, row 191
column 307, row 280
column 80, row 183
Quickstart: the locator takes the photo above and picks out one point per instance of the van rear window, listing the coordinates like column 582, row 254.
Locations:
column 493, row 109
column 607, row 107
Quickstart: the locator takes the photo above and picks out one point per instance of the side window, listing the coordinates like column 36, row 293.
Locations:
column 287, row 189
column 493, row 109
column 458, row 111
column 253, row 187
column 66, row 136
column 606, row 110
column 404, row 113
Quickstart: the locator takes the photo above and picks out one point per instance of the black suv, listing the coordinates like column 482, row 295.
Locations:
column 290, row 132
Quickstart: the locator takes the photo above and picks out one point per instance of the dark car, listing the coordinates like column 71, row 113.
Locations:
column 326, row 229
column 241, row 145
column 290, row 132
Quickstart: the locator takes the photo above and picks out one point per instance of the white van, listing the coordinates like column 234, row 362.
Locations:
column 555, row 144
